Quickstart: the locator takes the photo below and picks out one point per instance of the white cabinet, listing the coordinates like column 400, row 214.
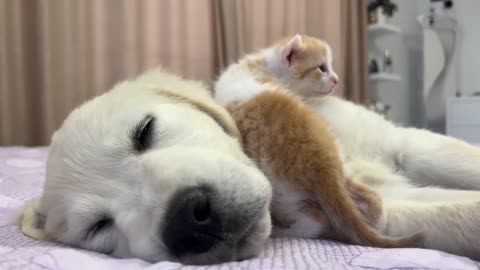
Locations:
column 463, row 118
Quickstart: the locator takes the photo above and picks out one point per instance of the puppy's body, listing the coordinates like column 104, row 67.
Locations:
column 427, row 181
column 414, row 171
column 152, row 169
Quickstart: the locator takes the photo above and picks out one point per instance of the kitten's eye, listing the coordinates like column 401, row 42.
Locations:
column 143, row 134
column 102, row 224
column 323, row 68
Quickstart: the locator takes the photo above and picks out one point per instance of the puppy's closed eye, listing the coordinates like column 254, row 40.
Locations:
column 143, row 134
column 102, row 224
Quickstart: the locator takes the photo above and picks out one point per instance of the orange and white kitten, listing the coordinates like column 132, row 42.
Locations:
column 295, row 149
column 302, row 64
column 427, row 182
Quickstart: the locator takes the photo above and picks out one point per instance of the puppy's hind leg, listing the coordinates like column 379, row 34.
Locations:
column 432, row 159
column 449, row 227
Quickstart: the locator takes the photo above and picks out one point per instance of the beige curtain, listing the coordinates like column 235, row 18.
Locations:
column 248, row 25
column 55, row 54
column 354, row 50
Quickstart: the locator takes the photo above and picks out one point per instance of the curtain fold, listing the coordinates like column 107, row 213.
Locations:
column 355, row 50
column 55, row 54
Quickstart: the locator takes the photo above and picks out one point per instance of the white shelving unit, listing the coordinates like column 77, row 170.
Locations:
column 379, row 77
column 374, row 31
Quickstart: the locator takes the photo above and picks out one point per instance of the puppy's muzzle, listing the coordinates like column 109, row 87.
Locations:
column 192, row 224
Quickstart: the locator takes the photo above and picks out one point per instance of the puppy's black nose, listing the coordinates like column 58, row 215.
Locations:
column 192, row 225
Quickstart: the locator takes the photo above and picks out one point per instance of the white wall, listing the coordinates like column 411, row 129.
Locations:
column 468, row 16
column 405, row 97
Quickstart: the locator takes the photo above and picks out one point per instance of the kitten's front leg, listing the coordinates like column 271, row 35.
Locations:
column 294, row 215
column 308, row 220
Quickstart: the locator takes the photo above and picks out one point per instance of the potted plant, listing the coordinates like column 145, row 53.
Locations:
column 381, row 10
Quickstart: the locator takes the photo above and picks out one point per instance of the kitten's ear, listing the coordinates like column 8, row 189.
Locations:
column 33, row 222
column 293, row 47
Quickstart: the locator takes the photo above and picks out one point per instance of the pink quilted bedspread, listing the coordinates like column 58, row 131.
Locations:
column 21, row 178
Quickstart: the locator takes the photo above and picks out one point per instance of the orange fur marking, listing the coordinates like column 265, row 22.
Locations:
column 288, row 141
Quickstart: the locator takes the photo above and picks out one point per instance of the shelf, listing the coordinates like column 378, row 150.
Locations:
column 383, row 29
column 384, row 77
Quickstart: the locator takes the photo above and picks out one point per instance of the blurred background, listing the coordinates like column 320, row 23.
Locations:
column 56, row 54
column 415, row 62
column 426, row 54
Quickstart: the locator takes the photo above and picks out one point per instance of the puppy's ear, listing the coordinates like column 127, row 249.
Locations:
column 222, row 117
column 290, row 50
column 206, row 105
column 33, row 222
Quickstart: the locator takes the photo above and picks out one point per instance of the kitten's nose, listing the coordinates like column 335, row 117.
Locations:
column 334, row 80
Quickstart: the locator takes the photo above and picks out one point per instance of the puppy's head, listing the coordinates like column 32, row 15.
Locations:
column 152, row 169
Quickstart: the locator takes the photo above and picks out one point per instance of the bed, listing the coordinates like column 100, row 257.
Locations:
column 21, row 178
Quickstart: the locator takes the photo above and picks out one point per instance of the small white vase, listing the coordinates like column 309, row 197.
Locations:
column 381, row 17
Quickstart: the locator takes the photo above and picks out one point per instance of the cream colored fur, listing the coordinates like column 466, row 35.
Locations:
column 94, row 170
